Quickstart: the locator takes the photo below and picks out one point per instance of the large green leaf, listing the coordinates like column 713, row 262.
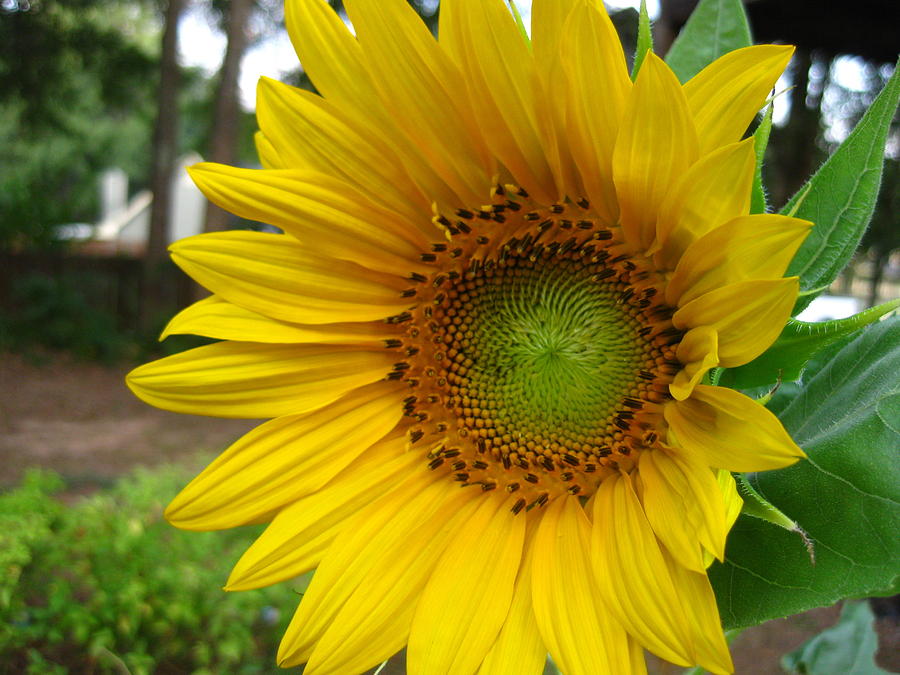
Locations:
column 716, row 27
column 847, row 648
column 846, row 496
column 797, row 344
column 840, row 198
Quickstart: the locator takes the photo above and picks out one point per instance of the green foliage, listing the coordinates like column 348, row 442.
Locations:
column 755, row 505
column 49, row 178
column 105, row 583
column 760, row 143
column 516, row 15
column 87, row 310
column 644, row 39
column 54, row 313
column 25, row 519
column 797, row 344
column 848, row 647
column 103, row 40
column 841, row 197
column 80, row 102
column 715, row 28
column 846, row 496
column 84, row 100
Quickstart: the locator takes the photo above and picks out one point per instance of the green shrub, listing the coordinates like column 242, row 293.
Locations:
column 50, row 313
column 105, row 585
column 56, row 313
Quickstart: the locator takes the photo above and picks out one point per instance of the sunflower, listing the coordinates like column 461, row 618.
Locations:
column 484, row 341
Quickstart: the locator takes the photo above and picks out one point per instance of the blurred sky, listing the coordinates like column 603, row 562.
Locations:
column 202, row 45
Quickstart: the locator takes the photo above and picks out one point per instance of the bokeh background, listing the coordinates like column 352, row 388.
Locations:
column 102, row 104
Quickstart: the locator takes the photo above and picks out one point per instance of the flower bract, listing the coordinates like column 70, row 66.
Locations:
column 483, row 341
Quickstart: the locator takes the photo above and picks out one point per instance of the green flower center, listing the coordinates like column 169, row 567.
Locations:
column 542, row 352
column 538, row 350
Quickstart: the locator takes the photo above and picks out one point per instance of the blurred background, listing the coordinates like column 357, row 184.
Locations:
column 102, row 104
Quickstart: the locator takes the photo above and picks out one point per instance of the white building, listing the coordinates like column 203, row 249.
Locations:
column 125, row 223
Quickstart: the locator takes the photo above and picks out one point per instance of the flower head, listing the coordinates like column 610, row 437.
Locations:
column 483, row 341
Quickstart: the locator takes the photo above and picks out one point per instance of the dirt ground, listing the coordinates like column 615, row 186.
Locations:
column 80, row 420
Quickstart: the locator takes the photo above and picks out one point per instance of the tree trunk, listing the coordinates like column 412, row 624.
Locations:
column 165, row 150
column 878, row 264
column 226, row 114
column 794, row 154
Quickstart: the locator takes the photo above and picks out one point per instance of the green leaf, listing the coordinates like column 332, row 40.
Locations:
column 841, row 197
column 755, row 505
column 848, row 647
column 644, row 39
column 846, row 496
column 716, row 27
column 760, row 141
column 519, row 23
column 797, row 344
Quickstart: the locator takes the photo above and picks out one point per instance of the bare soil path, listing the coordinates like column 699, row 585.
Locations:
column 80, row 420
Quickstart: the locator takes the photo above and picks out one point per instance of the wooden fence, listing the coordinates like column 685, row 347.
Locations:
column 109, row 284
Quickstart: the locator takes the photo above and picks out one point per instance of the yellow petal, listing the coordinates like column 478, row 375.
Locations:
column 424, row 93
column 750, row 247
column 268, row 155
column 298, row 537
column 733, row 506
column 312, row 134
column 748, row 316
column 684, row 505
column 307, row 205
column 698, row 351
column 657, row 143
column 730, row 431
column 245, row 379
column 500, row 73
column 335, row 63
column 375, row 621
column 579, row 633
column 379, row 562
column 469, row 593
column 329, row 53
column 733, row 501
column 550, row 109
column 274, row 275
column 286, row 459
column 599, row 86
column 715, row 189
column 217, row 318
column 699, row 602
column 547, row 34
column 449, row 38
column 726, row 95
column 519, row 649
column 632, row 575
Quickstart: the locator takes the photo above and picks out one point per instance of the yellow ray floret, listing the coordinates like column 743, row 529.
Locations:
column 285, row 459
